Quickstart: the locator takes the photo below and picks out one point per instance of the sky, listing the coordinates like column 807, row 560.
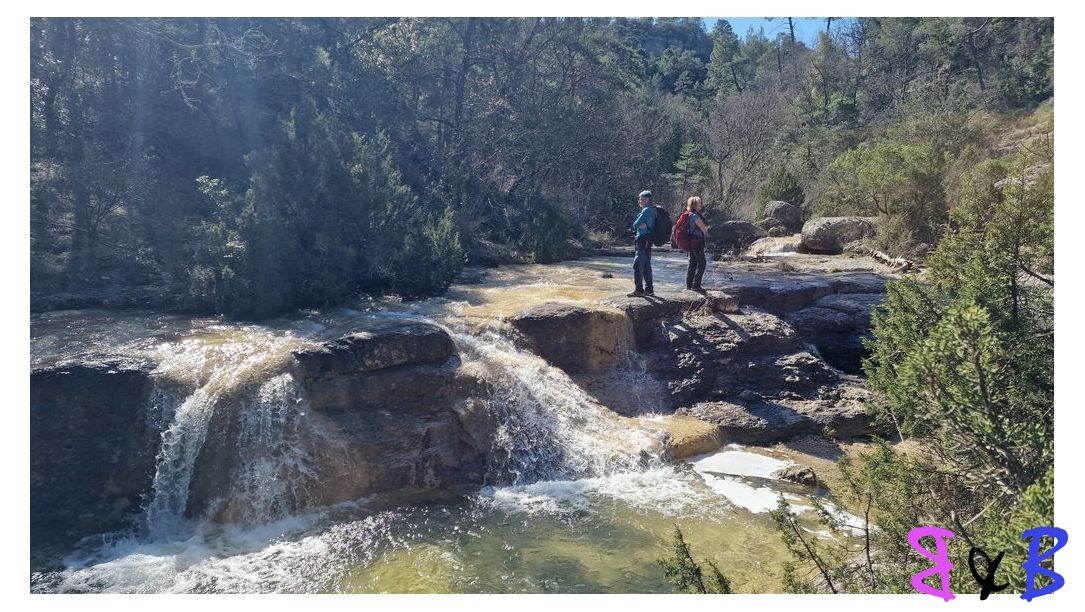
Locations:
column 806, row 28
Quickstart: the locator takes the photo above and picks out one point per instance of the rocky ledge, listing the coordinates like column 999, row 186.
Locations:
column 93, row 441
column 373, row 412
column 391, row 410
column 759, row 361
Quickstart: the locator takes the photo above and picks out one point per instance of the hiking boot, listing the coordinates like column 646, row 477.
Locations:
column 649, row 292
column 636, row 293
column 699, row 289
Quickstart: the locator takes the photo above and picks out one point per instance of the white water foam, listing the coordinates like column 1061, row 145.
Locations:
column 665, row 489
column 548, row 427
column 221, row 369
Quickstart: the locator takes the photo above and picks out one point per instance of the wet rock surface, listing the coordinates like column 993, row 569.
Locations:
column 365, row 351
column 763, row 357
column 93, row 443
column 576, row 338
column 689, row 436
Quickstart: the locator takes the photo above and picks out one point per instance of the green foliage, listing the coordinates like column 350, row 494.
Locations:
column 691, row 171
column 1002, row 531
column 678, row 71
column 685, row 573
column 540, row 229
column 530, row 130
column 782, row 185
column 899, row 181
column 326, row 213
column 963, row 364
column 967, row 356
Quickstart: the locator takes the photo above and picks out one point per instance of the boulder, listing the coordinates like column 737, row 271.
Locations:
column 799, row 474
column 735, row 235
column 93, row 442
column 576, row 338
column 688, row 437
column 361, row 352
column 787, row 215
column 829, row 235
column 769, row 224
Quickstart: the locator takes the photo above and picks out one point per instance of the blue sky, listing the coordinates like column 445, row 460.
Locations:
column 806, row 28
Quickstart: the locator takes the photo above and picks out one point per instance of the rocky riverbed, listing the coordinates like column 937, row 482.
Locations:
column 521, row 375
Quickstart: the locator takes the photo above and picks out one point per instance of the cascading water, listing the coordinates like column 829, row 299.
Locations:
column 582, row 499
column 548, row 427
column 274, row 446
column 173, row 475
column 242, row 370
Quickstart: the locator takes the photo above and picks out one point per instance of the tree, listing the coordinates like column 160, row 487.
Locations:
column 687, row 575
column 692, row 170
column 782, row 185
column 962, row 362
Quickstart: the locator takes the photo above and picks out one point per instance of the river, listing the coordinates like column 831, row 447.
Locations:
column 590, row 506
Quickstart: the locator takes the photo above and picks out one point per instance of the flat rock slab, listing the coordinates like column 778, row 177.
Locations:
column 669, row 303
column 576, row 338
column 688, row 436
column 412, row 344
column 761, row 422
column 781, row 293
column 838, row 312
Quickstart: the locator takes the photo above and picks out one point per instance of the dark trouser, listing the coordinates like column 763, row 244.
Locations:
column 695, row 271
column 642, row 264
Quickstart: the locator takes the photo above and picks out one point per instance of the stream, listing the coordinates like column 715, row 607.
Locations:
column 588, row 503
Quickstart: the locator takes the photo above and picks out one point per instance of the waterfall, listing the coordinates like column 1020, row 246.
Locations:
column 242, row 373
column 274, row 453
column 548, row 427
column 181, row 444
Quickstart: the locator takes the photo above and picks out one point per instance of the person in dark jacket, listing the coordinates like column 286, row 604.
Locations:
column 698, row 231
column 642, row 261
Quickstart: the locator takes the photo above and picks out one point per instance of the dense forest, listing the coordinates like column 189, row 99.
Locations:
column 253, row 166
column 249, row 167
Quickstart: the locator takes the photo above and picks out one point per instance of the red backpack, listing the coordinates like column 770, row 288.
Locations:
column 680, row 233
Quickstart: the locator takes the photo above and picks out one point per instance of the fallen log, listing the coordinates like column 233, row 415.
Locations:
column 898, row 264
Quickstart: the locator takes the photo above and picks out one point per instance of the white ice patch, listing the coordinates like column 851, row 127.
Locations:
column 751, row 498
column 734, row 462
column 721, row 471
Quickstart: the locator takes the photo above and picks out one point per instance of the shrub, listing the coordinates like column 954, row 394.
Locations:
column 781, row 185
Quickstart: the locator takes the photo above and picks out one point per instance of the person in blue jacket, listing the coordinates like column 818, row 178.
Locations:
column 642, row 262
